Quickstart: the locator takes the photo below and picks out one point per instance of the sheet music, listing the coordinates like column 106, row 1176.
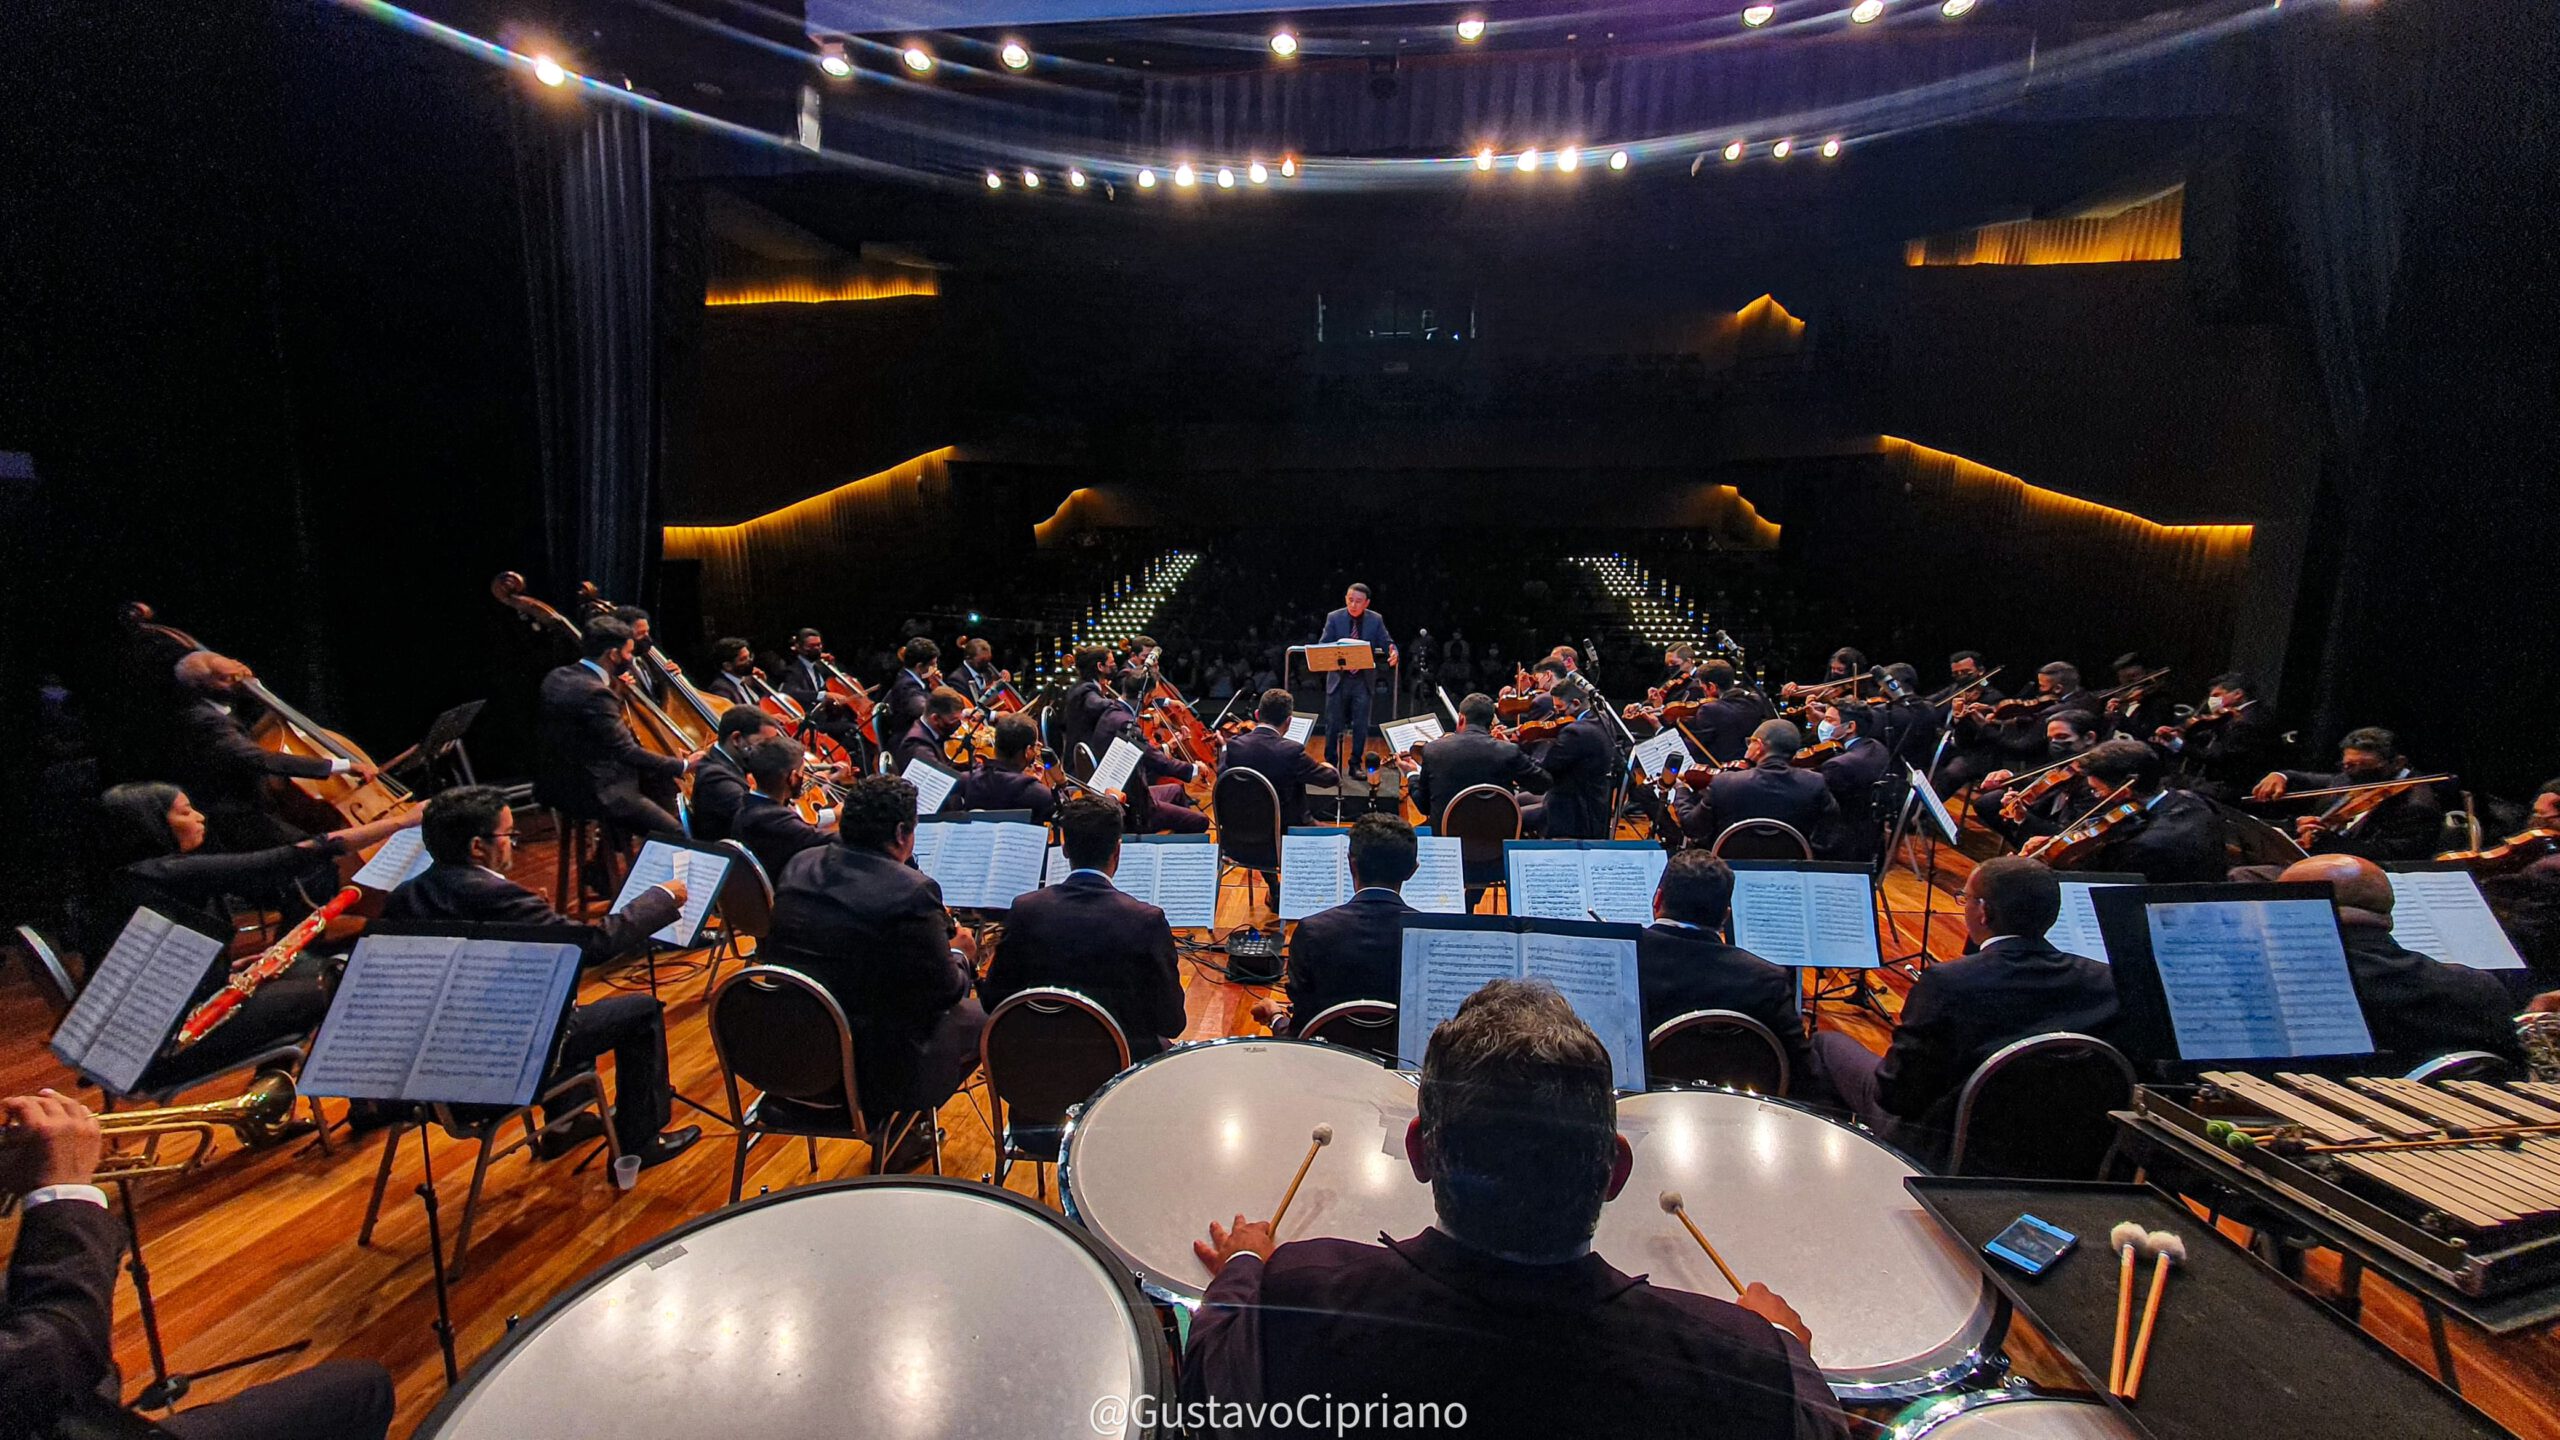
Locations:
column 135, row 999
column 958, row 863
column 1056, row 867
column 1447, row 705
column 1300, row 727
column 368, row 1045
column 1805, row 918
column 2256, row 980
column 1545, row 879
column 396, row 861
column 2442, row 915
column 1619, row 878
column 1443, row 965
column 1186, row 887
column 2076, row 932
column 702, row 874
column 1117, row 764
column 1930, row 802
column 1014, row 862
column 1597, row 976
column 1841, row 917
column 1315, row 873
column 1403, row 735
column 928, row 851
column 933, row 784
column 442, row 1019
column 1136, row 872
column 1439, row 883
column 1657, row 753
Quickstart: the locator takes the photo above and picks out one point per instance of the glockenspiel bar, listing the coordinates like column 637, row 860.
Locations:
column 2504, row 1099
column 2284, row 1104
column 2396, row 1123
column 2422, row 1099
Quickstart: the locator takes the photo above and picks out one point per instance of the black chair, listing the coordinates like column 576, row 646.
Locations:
column 1716, row 1047
column 1761, row 840
column 1247, row 809
column 1045, row 1051
column 2038, row 1108
column 1482, row 817
column 779, row 1031
column 1364, row 1025
column 2465, row 1065
column 48, row 969
column 746, row 911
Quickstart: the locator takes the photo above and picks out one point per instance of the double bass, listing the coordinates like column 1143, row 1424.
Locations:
column 651, row 726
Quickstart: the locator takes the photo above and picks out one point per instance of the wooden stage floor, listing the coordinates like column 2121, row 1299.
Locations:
column 260, row 1250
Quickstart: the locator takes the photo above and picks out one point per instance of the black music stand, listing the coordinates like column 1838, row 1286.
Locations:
column 167, row 1386
column 444, row 736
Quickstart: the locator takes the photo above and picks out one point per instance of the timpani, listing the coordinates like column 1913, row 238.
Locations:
column 1212, row 1131
column 2013, row 1415
column 1815, row 1210
column 912, row 1305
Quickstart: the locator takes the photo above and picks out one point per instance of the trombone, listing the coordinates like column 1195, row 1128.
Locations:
column 255, row 1116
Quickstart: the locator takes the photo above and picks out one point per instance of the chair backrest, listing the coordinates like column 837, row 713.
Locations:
column 1716, row 1047
column 45, row 967
column 1761, row 840
column 2037, row 1109
column 746, row 897
column 781, row 1032
column 2465, row 1065
column 1045, row 1049
column 1247, row 807
column 1482, row 817
column 1084, row 758
column 1364, row 1025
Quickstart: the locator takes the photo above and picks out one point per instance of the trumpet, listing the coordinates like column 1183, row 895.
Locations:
column 255, row 1116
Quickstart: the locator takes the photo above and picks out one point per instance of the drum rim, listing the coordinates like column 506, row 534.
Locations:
column 1935, row 1411
column 1075, row 1119
column 1154, row 1365
column 1984, row 1358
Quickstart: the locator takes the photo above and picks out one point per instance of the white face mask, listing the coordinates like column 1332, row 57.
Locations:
column 2213, row 703
column 1826, row 730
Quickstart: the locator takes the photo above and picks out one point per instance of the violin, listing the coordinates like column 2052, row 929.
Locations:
column 2207, row 719
column 2040, row 783
column 651, row 726
column 1530, row 732
column 1816, row 753
column 2513, row 853
column 2361, row 801
column 2132, row 691
column 2086, row 836
column 2015, row 708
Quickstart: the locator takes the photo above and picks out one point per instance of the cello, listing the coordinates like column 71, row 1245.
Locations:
column 821, row 746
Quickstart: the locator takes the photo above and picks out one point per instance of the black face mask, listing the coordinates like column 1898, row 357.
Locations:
column 2062, row 749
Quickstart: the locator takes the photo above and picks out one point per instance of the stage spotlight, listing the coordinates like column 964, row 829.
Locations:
column 1014, row 56
column 1183, row 176
column 1283, row 44
column 1075, row 178
column 1830, row 149
column 1568, row 159
column 1471, row 30
column 918, row 59
column 831, row 58
column 1226, row 178
column 1256, row 172
column 1289, row 168
column 1956, row 9
column 994, row 181
column 1146, row 179
column 1484, row 158
column 1528, row 160
column 1782, row 150
column 1867, row 12
column 1617, row 159
column 1030, row 179
column 548, row 71
column 1756, row 16
column 1733, row 151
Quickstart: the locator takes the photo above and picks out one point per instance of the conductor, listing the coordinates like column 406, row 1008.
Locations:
column 1346, row 693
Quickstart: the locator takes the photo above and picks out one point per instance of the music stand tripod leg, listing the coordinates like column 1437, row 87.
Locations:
column 435, row 1254
column 168, row 1387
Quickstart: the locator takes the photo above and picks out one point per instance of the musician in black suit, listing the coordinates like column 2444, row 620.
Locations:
column 591, row 764
column 917, row 678
column 937, row 722
column 2176, row 840
column 1348, row 694
column 58, row 1373
column 1084, row 934
column 471, row 833
column 1268, row 751
column 1501, row 1310
column 730, row 676
column 863, row 922
column 1355, row 951
column 978, row 676
column 1852, row 777
column 1768, row 788
column 1725, row 718
column 1684, row 964
column 2233, row 741
column 804, row 680
column 2142, row 708
column 1156, row 802
column 1971, row 753
column 1582, row 766
column 720, row 780
column 2014, row 984
column 1906, row 723
column 2068, row 733
column 768, row 823
column 226, row 772
column 2417, row 1008
column 1082, row 707
column 1469, row 756
column 644, row 667
column 2406, row 826
column 1005, row 782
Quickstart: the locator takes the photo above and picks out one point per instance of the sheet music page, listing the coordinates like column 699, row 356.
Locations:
column 660, row 862
column 1618, row 880
column 1014, row 861
column 1545, row 879
column 1597, row 976
column 1187, row 882
column 959, row 864
column 1403, row 735
column 1930, row 802
column 1443, row 965
column 933, row 784
column 1136, row 872
column 395, row 861
column 2442, row 915
column 1315, row 873
column 928, row 852
column 1300, row 727
column 1771, row 916
column 489, row 1036
column 1658, row 752
column 1117, row 764
column 1055, row 868
column 2256, row 980
column 1439, row 883
column 2076, row 932
column 138, row 995
column 368, row 1045
column 1840, row 918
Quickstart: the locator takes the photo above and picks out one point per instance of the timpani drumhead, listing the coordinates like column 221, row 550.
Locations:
column 1209, row 1132
column 919, row 1307
column 1814, row 1210
column 2007, row 1415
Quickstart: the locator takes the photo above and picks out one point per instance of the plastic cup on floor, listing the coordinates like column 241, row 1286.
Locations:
column 626, row 1172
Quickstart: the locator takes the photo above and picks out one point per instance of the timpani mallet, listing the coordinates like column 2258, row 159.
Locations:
column 2168, row 1249
column 1678, row 1209
column 1317, row 1139
column 2129, row 1240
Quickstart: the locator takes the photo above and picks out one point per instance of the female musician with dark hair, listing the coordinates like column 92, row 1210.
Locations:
column 151, row 851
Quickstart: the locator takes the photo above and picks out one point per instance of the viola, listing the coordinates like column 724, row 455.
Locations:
column 2513, row 853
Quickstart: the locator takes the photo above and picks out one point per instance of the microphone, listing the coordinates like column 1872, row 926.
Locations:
column 1590, row 652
